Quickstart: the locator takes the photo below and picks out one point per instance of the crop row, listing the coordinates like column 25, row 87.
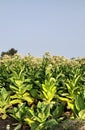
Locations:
column 39, row 91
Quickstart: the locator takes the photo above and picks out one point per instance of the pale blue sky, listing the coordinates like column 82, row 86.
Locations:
column 39, row 26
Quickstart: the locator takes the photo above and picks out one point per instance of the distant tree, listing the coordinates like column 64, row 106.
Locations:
column 10, row 52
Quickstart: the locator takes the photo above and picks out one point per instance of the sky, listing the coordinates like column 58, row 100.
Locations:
column 39, row 26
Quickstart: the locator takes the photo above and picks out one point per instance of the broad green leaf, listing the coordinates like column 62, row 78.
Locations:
column 16, row 101
column 44, row 87
column 28, row 121
column 82, row 114
column 14, row 88
column 29, row 99
column 50, row 124
column 4, row 116
column 79, row 102
column 77, row 79
column 18, row 127
column 18, row 82
column 34, row 93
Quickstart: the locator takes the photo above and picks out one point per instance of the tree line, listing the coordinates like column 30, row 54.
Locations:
column 10, row 52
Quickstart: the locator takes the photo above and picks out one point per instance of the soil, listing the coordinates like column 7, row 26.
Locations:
column 64, row 125
column 12, row 123
column 71, row 125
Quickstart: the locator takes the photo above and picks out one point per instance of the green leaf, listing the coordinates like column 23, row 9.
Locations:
column 34, row 93
column 45, row 95
column 77, row 79
column 35, row 126
column 16, row 101
column 50, row 124
column 82, row 114
column 79, row 102
column 4, row 116
column 44, row 87
column 14, row 88
column 29, row 99
column 47, row 111
column 18, row 82
column 28, row 121
column 18, row 127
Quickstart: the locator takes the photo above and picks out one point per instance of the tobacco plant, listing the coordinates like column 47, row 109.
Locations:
column 48, row 88
column 19, row 114
column 73, row 89
column 20, row 88
column 40, row 118
column 36, row 91
column 79, row 105
column 4, row 102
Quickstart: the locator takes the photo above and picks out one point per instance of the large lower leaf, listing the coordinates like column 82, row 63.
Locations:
column 82, row 114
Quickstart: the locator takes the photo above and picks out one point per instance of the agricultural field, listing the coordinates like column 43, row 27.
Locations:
column 40, row 93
